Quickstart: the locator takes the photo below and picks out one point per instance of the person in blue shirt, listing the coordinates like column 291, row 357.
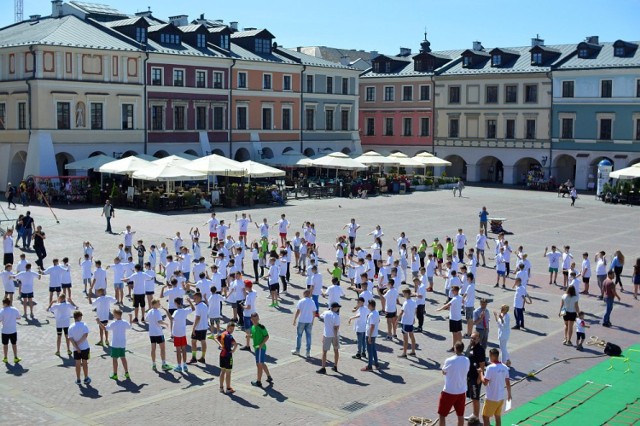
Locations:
column 484, row 218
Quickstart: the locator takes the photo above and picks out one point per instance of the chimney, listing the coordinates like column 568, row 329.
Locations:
column 145, row 14
column 179, row 20
column 477, row 46
column 405, row 51
column 537, row 41
column 374, row 54
column 593, row 40
column 56, row 8
column 34, row 18
column 299, row 49
column 233, row 25
column 344, row 60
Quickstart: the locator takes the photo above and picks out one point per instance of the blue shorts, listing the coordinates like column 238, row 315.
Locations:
column 261, row 355
column 407, row 328
column 247, row 323
column 118, row 286
column 501, row 273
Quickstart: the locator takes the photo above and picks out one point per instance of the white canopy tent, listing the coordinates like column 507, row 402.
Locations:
column 167, row 173
column 258, row 170
column 373, row 158
column 631, row 172
column 187, row 156
column 404, row 160
column 428, row 159
column 289, row 159
column 338, row 160
column 173, row 160
column 215, row 164
column 94, row 162
column 146, row 157
column 124, row 166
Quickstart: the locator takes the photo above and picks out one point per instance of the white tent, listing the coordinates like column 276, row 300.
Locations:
column 217, row 165
column 167, row 173
column 146, row 157
column 631, row 172
column 373, row 158
column 404, row 160
column 338, row 160
column 259, row 170
column 173, row 160
column 428, row 159
column 94, row 162
column 187, row 156
column 289, row 159
column 124, row 166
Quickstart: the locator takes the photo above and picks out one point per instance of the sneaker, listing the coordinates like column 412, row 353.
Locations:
column 100, row 343
column 496, row 286
column 127, row 376
column 245, row 348
column 256, row 383
column 334, row 368
column 178, row 369
column 212, row 337
column 154, row 368
column 57, row 353
column 269, row 379
column 5, row 360
column 87, row 380
column 185, row 369
column 16, row 360
column 78, row 382
column 504, row 287
column 166, row 367
column 69, row 352
column 113, row 377
column 307, row 355
column 295, row 352
column 322, row 371
column 366, row 368
column 363, row 356
column 192, row 361
column 357, row 356
column 515, row 327
column 402, row 356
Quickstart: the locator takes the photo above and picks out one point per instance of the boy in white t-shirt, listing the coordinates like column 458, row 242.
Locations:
column 118, row 328
column 85, row 266
column 9, row 317
column 334, row 292
column 63, row 310
column 179, row 332
column 78, row 336
column 215, row 303
column 495, row 378
column 580, row 330
column 199, row 329
column 421, row 300
column 103, row 306
column 391, row 310
column 153, row 317
column 407, row 318
column 360, row 327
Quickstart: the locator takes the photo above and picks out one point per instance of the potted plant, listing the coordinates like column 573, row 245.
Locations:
column 231, row 195
column 250, row 195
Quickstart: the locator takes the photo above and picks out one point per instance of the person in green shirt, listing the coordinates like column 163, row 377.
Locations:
column 449, row 246
column 336, row 272
column 260, row 337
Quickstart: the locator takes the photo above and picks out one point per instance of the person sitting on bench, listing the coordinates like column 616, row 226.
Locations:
column 276, row 197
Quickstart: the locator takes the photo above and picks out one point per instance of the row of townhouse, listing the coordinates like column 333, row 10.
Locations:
column 89, row 79
column 499, row 114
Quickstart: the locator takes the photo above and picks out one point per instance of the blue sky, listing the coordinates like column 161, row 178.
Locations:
column 385, row 25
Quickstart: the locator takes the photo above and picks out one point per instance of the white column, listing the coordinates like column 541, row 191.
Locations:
column 582, row 172
column 473, row 173
column 507, row 175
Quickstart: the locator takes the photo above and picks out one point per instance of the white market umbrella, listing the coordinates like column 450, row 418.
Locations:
column 168, row 173
column 630, row 172
column 172, row 160
column 258, row 170
column 146, row 157
column 373, row 158
column 289, row 159
column 187, row 156
column 404, row 160
column 215, row 164
column 428, row 159
column 338, row 160
column 124, row 166
column 94, row 162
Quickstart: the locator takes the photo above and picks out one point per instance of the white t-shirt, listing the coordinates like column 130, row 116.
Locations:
column 172, row 294
column 422, row 294
column 76, row 331
column 202, row 311
column 100, row 275
column 431, row 267
column 586, row 268
column 580, row 325
column 361, row 322
column 307, row 308
column 331, row 320
column 566, row 260
column 317, row 284
column 55, row 275
column 214, row 306
column 470, row 295
column 504, row 328
column 180, row 322
column 554, row 259
column 7, row 282
column 153, row 318
column 213, row 224
column 481, row 241
column 243, row 224
column 62, row 312
column 103, row 304
column 283, row 226
column 601, row 267
column 367, row 295
column 7, row 245
column 576, row 284
column 139, row 280
column 150, row 281
column 118, row 272
column 496, row 374
column 500, row 263
column 9, row 317
column 408, row 312
column 118, row 329
column 26, row 279
column 455, row 308
column 85, row 265
column 334, row 293
column 352, row 229
column 456, row 369
column 391, row 300
column 250, row 300
column 373, row 318
column 518, row 297
column 461, row 240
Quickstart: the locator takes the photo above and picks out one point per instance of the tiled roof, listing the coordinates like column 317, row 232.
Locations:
column 238, row 52
column 602, row 59
column 65, row 31
column 313, row 61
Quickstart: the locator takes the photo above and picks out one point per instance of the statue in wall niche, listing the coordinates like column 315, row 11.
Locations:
column 80, row 111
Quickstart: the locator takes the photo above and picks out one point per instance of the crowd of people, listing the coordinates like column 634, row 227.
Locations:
column 198, row 288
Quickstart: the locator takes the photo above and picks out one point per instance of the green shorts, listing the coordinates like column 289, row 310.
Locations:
column 117, row 352
column 553, row 269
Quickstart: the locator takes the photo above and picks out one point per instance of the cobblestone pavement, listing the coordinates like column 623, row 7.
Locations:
column 41, row 390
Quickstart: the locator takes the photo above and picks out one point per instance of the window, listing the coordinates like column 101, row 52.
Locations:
column 454, row 127
column 201, row 117
column 141, row 35
column 454, row 94
column 531, row 93
column 218, row 118
column 157, row 117
column 376, row 67
column 344, row 119
column 388, row 126
column 407, row 93
column 242, row 118
column 178, row 117
column 329, row 84
column 567, row 128
column 491, row 95
column 583, row 53
column 425, row 93
column 310, row 115
column 63, row 114
column 510, row 129
column 286, row 82
column 22, row 115
column 328, row 119
column 201, row 79
column 263, row 45
column 467, row 61
column 3, row 116
column 127, row 117
column 387, row 67
column 389, row 93
column 309, row 84
column 201, row 40
column 605, row 129
column 224, row 41
column 266, row 81
column 371, row 126
column 491, row 129
column 638, row 129
column 406, row 126
column 637, row 88
column 510, row 94
column 536, row 58
column 345, row 86
column 606, row 87
column 266, row 118
column 242, row 80
column 178, row 78
column 370, row 94
column 530, row 129
column 619, row 51
column 567, row 89
column 286, row 119
column 496, row 60
column 156, row 76
column 96, row 116
column 217, row 80
column 425, row 126
column 170, row 38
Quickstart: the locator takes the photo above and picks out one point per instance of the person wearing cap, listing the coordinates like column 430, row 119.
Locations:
column 330, row 337
column 248, row 311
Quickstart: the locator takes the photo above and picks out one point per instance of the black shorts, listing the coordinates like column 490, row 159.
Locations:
column 570, row 316
column 64, row 330
column 226, row 362
column 26, row 295
column 156, row 339
column 139, row 300
column 7, row 293
column 565, row 272
column 149, row 293
column 171, row 311
column 199, row 335
column 580, row 335
column 473, row 389
column 223, row 283
column 9, row 338
column 83, row 354
column 391, row 314
column 105, row 322
column 274, row 287
column 586, row 280
column 55, row 289
column 66, row 285
column 455, row 326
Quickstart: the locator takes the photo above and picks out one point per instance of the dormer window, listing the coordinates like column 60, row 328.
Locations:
column 141, row 35
column 467, row 61
column 263, row 45
column 583, row 53
column 201, row 40
column 224, row 42
column 619, row 51
column 170, row 38
column 387, row 67
column 496, row 60
column 536, row 58
column 418, row 65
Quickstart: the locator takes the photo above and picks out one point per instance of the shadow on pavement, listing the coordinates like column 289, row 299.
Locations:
column 239, row 400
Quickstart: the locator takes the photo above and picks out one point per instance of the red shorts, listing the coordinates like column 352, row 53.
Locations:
column 448, row 400
column 283, row 235
column 243, row 234
column 213, row 234
column 178, row 342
